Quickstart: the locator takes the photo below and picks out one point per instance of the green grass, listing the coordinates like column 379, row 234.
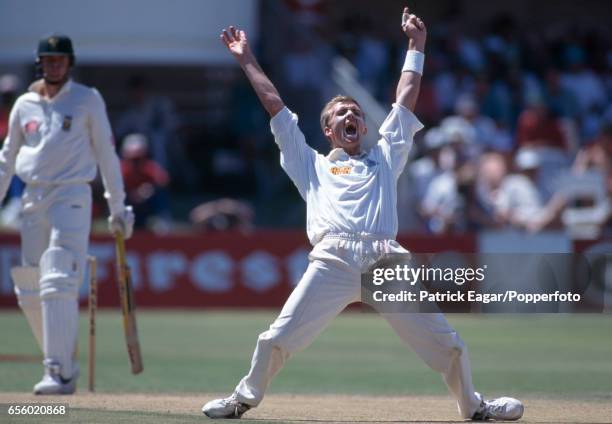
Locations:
column 189, row 351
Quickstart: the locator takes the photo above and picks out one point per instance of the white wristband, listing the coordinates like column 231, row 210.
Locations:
column 414, row 62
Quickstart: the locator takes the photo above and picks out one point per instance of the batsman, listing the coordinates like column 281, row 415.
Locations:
column 59, row 134
column 351, row 200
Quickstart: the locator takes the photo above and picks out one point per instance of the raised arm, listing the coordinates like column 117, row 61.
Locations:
column 236, row 42
column 410, row 81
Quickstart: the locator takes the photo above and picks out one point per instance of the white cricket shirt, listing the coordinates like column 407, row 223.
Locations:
column 60, row 141
column 348, row 194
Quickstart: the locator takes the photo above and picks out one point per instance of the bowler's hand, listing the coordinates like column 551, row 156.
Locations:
column 236, row 42
column 414, row 28
column 122, row 223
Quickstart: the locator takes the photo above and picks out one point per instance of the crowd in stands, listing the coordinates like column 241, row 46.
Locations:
column 518, row 123
column 517, row 113
column 518, row 127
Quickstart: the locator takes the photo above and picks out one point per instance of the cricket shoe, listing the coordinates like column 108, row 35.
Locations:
column 225, row 408
column 53, row 383
column 500, row 409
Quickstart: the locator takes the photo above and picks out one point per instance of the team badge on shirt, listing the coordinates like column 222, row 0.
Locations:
column 31, row 127
column 67, row 123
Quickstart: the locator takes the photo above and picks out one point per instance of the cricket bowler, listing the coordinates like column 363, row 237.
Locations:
column 59, row 134
column 351, row 200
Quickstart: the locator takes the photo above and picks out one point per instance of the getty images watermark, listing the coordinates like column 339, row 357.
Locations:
column 487, row 283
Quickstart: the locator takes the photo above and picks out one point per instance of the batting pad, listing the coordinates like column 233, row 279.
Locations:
column 26, row 279
column 59, row 274
column 60, row 317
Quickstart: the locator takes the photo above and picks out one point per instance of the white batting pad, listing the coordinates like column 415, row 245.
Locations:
column 28, row 296
column 60, row 317
column 59, row 273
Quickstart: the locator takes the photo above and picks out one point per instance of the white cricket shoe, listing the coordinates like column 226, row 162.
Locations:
column 501, row 409
column 225, row 408
column 53, row 383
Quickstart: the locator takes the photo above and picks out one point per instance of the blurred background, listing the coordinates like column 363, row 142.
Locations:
column 516, row 154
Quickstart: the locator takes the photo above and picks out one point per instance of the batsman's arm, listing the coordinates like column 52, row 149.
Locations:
column 236, row 42
column 8, row 153
column 409, row 84
column 104, row 151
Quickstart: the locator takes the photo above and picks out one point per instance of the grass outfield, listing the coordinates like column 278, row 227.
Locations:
column 189, row 351
column 532, row 356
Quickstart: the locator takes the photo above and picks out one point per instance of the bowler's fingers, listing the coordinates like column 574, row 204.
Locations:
column 416, row 22
column 420, row 23
column 412, row 21
column 408, row 18
column 225, row 37
column 405, row 16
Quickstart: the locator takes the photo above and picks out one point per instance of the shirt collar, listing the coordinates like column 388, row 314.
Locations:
column 339, row 154
column 65, row 88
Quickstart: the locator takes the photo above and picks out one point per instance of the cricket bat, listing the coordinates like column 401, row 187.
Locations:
column 126, row 297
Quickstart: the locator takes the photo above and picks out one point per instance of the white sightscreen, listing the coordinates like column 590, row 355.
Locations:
column 125, row 31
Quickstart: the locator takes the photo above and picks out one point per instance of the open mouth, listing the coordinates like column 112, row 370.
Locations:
column 350, row 130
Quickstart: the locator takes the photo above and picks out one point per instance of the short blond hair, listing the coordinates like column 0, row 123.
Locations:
column 325, row 113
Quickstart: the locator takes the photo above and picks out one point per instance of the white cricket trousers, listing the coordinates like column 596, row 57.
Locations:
column 55, row 230
column 331, row 282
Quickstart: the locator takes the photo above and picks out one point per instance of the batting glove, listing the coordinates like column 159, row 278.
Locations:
column 122, row 222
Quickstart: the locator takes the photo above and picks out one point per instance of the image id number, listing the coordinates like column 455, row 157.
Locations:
column 37, row 409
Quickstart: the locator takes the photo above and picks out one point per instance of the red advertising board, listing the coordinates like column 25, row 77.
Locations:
column 207, row 270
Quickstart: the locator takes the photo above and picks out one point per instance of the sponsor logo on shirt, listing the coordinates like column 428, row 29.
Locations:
column 341, row 170
column 31, row 127
column 67, row 123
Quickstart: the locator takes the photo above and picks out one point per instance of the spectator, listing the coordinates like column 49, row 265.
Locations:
column 461, row 136
column 537, row 127
column 450, row 84
column 482, row 212
column 145, row 181
column 443, row 206
column 496, row 100
column 518, row 202
column 597, row 156
column 586, row 86
column 589, row 189
column 426, row 168
column 150, row 115
column 488, row 136
column 560, row 100
column 470, row 53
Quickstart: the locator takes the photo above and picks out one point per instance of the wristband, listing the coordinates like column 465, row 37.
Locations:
column 414, row 62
